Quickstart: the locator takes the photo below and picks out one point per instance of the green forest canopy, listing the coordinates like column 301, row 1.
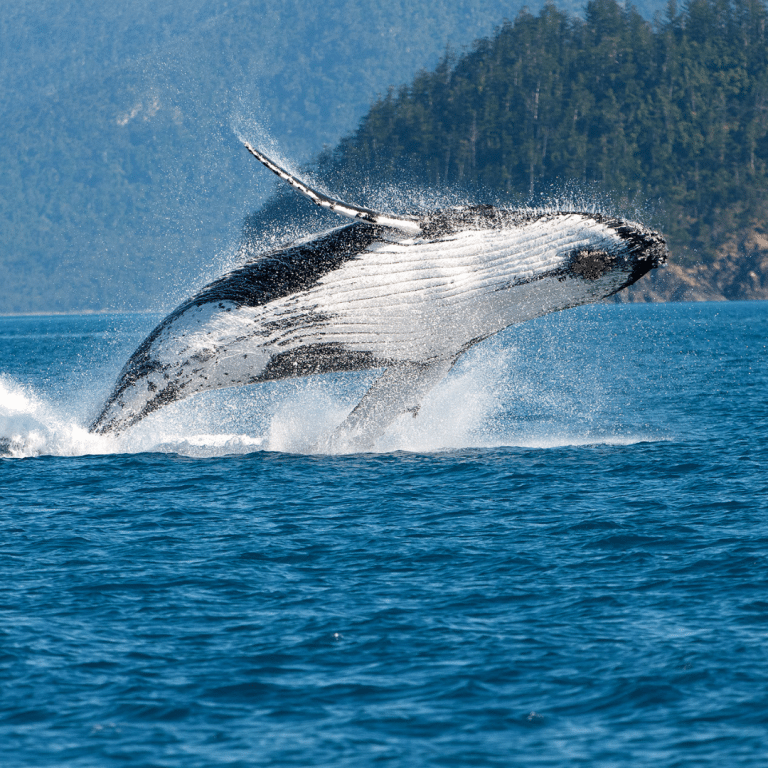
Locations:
column 673, row 112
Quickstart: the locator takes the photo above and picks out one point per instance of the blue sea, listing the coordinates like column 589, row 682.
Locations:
column 563, row 561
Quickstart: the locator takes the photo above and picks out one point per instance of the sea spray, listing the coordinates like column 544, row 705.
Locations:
column 555, row 382
column 30, row 425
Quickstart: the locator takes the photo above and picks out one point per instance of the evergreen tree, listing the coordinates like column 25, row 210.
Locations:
column 674, row 111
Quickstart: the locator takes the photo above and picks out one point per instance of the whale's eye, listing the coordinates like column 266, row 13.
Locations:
column 591, row 264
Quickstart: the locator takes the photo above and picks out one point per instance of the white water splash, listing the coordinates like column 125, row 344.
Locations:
column 32, row 426
column 485, row 402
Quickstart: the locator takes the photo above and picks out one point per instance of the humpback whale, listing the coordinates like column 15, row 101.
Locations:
column 408, row 294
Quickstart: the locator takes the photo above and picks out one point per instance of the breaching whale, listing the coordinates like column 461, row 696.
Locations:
column 408, row 294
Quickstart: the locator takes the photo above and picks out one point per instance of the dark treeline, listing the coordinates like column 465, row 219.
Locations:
column 673, row 112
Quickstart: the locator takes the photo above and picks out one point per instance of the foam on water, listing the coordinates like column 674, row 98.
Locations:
column 31, row 426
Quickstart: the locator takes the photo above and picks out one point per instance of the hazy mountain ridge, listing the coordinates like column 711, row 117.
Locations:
column 120, row 172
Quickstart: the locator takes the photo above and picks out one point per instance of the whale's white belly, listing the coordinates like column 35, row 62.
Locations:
column 414, row 301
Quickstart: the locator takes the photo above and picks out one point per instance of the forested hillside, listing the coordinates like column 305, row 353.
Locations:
column 664, row 121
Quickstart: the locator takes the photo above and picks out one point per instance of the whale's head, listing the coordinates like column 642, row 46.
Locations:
column 564, row 258
column 620, row 250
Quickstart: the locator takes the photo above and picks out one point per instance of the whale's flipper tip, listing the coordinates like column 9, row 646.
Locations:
column 411, row 226
column 400, row 389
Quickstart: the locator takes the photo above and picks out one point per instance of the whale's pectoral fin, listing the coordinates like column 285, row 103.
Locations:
column 337, row 206
column 398, row 390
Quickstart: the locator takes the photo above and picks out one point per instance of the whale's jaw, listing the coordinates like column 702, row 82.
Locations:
column 647, row 250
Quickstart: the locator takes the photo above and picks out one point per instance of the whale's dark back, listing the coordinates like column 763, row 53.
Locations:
column 288, row 270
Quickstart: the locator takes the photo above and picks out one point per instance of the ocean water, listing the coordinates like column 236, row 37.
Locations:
column 563, row 561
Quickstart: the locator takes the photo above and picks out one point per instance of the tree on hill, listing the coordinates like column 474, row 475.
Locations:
column 674, row 112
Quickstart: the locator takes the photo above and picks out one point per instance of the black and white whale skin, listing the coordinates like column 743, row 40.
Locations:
column 407, row 294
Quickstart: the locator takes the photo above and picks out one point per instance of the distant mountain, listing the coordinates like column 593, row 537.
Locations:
column 663, row 122
column 122, row 182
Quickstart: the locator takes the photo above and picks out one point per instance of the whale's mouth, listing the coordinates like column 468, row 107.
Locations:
column 646, row 250
column 649, row 250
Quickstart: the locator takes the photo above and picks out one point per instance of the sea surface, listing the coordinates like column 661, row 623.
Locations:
column 563, row 561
